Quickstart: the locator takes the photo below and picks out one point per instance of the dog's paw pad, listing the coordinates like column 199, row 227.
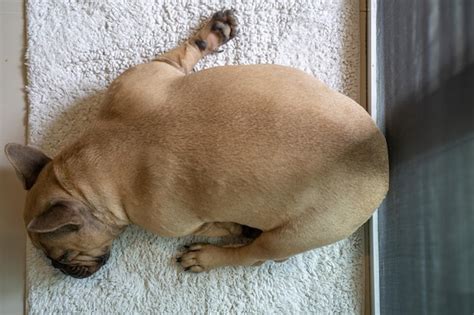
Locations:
column 221, row 28
column 224, row 25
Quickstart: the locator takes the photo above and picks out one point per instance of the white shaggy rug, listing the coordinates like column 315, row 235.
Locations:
column 75, row 49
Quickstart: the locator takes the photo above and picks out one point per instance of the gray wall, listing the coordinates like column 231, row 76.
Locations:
column 425, row 107
column 12, row 129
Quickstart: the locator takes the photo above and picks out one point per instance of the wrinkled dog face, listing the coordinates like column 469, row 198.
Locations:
column 77, row 243
column 63, row 247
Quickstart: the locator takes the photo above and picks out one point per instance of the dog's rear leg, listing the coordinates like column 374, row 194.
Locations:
column 217, row 31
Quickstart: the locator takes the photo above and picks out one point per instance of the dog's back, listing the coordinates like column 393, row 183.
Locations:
column 249, row 144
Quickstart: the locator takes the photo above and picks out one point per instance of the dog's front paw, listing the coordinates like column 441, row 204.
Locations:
column 201, row 257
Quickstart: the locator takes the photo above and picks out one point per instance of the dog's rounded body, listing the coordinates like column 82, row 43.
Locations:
column 216, row 152
column 259, row 145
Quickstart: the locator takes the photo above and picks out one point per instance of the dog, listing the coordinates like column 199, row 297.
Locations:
column 263, row 151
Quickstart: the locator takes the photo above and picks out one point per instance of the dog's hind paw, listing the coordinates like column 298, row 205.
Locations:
column 224, row 25
column 221, row 28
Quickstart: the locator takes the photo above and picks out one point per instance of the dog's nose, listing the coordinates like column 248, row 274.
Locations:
column 56, row 264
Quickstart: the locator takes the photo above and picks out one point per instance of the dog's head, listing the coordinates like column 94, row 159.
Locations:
column 59, row 223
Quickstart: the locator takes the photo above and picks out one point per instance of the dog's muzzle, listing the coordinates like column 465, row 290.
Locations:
column 78, row 271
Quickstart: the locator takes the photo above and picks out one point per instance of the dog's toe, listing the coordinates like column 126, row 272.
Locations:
column 189, row 260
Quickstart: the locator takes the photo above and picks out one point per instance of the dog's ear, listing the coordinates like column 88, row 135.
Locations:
column 27, row 161
column 55, row 218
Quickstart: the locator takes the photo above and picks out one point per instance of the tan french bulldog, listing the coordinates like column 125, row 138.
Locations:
column 260, row 150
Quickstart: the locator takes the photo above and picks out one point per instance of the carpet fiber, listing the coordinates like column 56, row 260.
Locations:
column 75, row 49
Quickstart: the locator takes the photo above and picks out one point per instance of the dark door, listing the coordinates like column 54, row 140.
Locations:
column 425, row 105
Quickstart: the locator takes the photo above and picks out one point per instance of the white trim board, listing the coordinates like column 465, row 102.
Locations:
column 372, row 107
